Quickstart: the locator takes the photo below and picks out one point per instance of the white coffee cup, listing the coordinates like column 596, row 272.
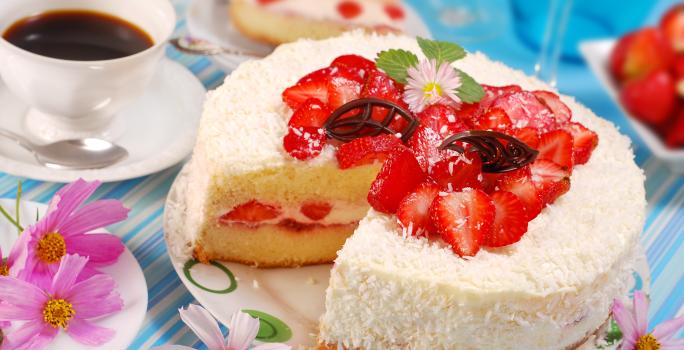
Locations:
column 80, row 98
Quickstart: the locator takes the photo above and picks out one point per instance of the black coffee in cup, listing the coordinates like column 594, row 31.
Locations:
column 79, row 35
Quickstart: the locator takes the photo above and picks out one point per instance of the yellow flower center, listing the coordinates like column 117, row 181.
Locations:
column 51, row 248
column 58, row 312
column 432, row 89
column 4, row 269
column 647, row 342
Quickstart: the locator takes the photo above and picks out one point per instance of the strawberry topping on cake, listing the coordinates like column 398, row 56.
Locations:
column 440, row 177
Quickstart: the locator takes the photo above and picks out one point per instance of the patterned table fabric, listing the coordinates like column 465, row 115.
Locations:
column 663, row 235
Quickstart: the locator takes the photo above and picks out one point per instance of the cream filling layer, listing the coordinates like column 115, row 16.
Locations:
column 372, row 12
column 342, row 213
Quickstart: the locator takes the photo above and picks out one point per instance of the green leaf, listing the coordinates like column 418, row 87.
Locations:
column 470, row 91
column 442, row 51
column 395, row 62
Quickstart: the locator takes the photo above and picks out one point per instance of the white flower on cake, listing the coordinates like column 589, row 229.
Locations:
column 431, row 82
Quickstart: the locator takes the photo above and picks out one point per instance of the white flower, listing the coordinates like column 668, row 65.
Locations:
column 242, row 331
column 430, row 83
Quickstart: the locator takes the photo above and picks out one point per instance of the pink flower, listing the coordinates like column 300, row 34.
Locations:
column 634, row 327
column 429, row 83
column 65, row 230
column 242, row 331
column 65, row 304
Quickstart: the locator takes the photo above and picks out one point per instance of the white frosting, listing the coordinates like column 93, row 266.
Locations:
column 372, row 12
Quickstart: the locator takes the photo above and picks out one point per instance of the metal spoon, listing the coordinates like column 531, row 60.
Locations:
column 88, row 153
column 197, row 46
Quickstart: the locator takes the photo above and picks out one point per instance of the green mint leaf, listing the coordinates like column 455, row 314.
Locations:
column 442, row 51
column 470, row 91
column 395, row 63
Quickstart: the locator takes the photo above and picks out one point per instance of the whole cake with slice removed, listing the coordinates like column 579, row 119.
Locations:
column 503, row 216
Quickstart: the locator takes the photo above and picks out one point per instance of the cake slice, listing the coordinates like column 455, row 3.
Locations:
column 282, row 21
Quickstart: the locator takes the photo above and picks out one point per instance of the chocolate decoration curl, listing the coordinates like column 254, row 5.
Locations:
column 496, row 156
column 345, row 128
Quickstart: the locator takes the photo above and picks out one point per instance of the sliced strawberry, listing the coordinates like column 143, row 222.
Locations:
column 584, row 141
column 354, row 62
column 349, row 9
column 494, row 92
column 468, row 113
column 524, row 109
column 344, row 85
column 442, row 119
column 530, row 136
column 458, row 172
column 490, row 181
column 510, row 220
column 304, row 143
column 316, row 210
column 413, row 212
column 251, row 212
column 380, row 85
column 463, row 219
column 425, row 144
column 399, row 175
column 519, row 182
column 365, row 150
column 313, row 85
column 652, row 98
column 560, row 110
column 550, row 179
column 556, row 146
column 493, row 119
column 395, row 12
column 311, row 112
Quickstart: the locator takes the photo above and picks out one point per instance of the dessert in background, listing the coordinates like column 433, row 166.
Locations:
column 648, row 65
column 281, row 21
column 451, row 255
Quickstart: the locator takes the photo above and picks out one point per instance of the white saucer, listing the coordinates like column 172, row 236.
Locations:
column 158, row 130
column 209, row 19
column 126, row 272
column 288, row 301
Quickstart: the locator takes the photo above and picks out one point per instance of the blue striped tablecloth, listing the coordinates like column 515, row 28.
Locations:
column 663, row 235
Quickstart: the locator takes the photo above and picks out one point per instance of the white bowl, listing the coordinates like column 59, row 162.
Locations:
column 597, row 55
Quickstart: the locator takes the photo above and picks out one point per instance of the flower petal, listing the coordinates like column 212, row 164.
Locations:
column 173, row 347
column 22, row 337
column 95, row 297
column 641, row 312
column 203, row 325
column 101, row 248
column 92, row 216
column 666, row 330
column 625, row 321
column 20, row 293
column 671, row 344
column 87, row 333
column 272, row 346
column 69, row 269
column 9, row 312
column 70, row 197
column 242, row 329
column 42, row 340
